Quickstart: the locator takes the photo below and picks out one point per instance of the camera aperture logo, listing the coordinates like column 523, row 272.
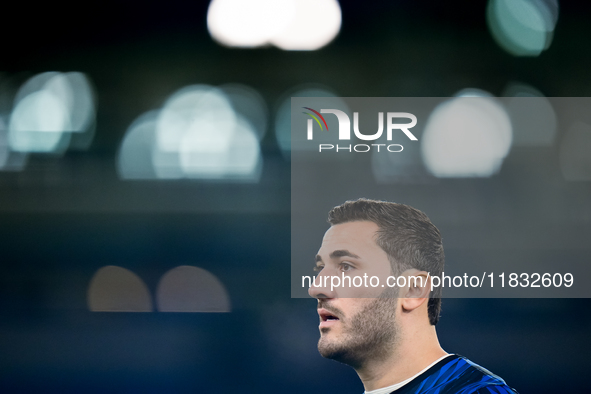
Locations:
column 345, row 130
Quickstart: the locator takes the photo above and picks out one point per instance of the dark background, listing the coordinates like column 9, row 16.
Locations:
column 62, row 218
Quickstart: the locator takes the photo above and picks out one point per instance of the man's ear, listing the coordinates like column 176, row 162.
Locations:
column 416, row 291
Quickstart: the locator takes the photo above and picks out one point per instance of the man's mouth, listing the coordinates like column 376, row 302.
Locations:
column 327, row 318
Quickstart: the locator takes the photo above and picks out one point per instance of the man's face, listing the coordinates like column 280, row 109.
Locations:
column 352, row 329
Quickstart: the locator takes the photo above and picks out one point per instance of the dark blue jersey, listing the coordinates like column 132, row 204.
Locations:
column 456, row 375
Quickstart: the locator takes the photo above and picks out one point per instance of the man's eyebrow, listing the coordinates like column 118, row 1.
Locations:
column 343, row 253
column 338, row 253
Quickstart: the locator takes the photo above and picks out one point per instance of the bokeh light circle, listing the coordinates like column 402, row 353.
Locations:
column 466, row 137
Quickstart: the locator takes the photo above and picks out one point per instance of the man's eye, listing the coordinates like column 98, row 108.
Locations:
column 318, row 268
column 346, row 267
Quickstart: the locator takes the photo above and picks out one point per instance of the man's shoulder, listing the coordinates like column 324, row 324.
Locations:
column 476, row 379
column 457, row 375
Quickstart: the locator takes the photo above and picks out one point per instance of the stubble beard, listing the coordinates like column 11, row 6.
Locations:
column 371, row 334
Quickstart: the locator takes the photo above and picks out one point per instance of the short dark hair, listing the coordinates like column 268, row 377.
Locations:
column 405, row 234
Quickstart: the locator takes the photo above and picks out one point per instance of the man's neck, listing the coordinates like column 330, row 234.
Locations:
column 407, row 358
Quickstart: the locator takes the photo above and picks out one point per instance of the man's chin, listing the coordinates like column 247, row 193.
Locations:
column 332, row 349
column 328, row 349
column 339, row 353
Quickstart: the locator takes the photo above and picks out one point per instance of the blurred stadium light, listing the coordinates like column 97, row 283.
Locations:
column 466, row 137
column 532, row 116
column 287, row 24
column 49, row 109
column 116, row 289
column 4, row 149
column 191, row 289
column 38, row 124
column 247, row 23
column 575, row 153
column 182, row 289
column 198, row 134
column 315, row 23
column 134, row 159
column 522, row 27
column 250, row 105
column 214, row 153
column 473, row 92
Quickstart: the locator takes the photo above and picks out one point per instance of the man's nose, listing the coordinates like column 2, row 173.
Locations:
column 320, row 287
